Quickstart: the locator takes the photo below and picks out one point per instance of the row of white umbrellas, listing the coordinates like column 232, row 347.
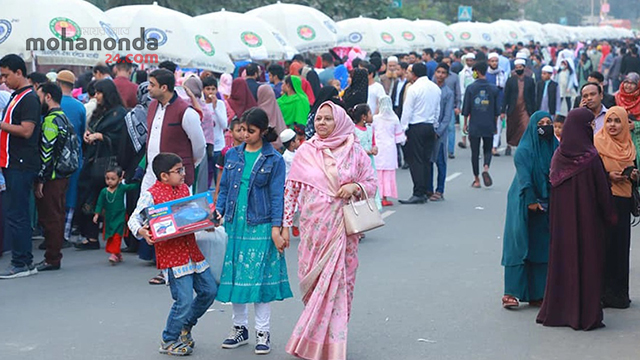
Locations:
column 273, row 32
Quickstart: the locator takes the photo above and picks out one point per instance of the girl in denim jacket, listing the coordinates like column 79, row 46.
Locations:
column 251, row 201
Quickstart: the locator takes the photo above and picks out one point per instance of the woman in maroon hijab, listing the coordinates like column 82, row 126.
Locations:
column 241, row 98
column 580, row 209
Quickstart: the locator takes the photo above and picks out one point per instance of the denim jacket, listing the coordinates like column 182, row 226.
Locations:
column 266, row 186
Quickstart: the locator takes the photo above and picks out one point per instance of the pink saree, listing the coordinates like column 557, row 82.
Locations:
column 327, row 257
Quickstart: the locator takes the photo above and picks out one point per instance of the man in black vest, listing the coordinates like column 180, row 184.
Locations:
column 547, row 94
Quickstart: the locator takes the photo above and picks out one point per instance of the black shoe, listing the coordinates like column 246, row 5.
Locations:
column 130, row 250
column 405, row 166
column 89, row 245
column 414, row 200
column 507, row 151
column 451, row 156
column 44, row 266
column 67, row 244
column 42, row 246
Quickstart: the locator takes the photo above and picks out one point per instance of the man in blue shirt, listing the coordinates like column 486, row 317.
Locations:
column 327, row 74
column 77, row 115
column 276, row 76
column 427, row 57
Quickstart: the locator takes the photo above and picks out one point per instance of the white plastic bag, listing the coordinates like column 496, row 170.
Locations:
column 213, row 246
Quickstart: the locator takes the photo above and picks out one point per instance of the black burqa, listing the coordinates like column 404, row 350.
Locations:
column 358, row 91
column 580, row 209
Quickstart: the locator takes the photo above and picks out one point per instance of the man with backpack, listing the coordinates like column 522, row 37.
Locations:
column 59, row 155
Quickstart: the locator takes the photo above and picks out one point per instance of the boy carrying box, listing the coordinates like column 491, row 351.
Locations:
column 184, row 267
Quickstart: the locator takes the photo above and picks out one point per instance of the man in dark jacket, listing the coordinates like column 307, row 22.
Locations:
column 547, row 94
column 630, row 62
column 519, row 103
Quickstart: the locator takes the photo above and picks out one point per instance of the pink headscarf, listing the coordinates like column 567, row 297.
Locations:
column 224, row 87
column 316, row 161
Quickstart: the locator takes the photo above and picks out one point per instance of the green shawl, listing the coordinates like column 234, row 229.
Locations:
column 295, row 108
column 530, row 185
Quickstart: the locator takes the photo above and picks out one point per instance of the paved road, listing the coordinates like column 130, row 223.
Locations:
column 429, row 287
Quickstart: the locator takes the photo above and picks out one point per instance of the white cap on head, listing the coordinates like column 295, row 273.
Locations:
column 547, row 69
column 493, row 55
column 471, row 56
column 392, row 59
column 287, row 135
column 521, row 55
column 522, row 62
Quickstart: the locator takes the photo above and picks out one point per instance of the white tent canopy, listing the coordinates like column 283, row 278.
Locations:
column 178, row 40
column 36, row 29
column 305, row 28
column 435, row 31
column 246, row 36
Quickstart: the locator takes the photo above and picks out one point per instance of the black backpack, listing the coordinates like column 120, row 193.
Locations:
column 68, row 150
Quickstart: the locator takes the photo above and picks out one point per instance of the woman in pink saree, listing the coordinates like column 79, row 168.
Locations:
column 323, row 176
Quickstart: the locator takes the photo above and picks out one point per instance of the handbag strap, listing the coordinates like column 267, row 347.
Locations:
column 366, row 198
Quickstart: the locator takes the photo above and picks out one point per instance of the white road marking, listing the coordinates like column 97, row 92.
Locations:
column 387, row 213
column 452, row 176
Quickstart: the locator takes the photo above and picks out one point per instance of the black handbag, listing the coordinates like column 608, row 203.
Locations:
column 100, row 164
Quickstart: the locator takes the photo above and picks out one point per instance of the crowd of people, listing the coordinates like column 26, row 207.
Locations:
column 285, row 145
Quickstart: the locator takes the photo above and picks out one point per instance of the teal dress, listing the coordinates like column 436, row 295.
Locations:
column 366, row 141
column 525, row 251
column 253, row 270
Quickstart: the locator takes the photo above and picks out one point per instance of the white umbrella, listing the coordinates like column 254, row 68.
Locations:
column 534, row 31
column 246, row 36
column 470, row 34
column 177, row 39
column 370, row 35
column 510, row 30
column 555, row 33
column 36, row 28
column 435, row 31
column 305, row 28
column 406, row 32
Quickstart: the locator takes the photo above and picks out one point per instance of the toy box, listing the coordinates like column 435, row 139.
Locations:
column 181, row 217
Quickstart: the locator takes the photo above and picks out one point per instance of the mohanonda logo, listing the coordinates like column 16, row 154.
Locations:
column 205, row 45
column 68, row 36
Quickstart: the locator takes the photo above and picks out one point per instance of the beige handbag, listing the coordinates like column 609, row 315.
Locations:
column 361, row 215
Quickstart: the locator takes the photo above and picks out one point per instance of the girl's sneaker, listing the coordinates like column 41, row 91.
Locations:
column 239, row 336
column 177, row 348
column 263, row 343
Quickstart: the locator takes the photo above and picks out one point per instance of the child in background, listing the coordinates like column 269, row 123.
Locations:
column 111, row 200
column 220, row 122
column 362, row 117
column 290, row 143
column 180, row 259
column 558, row 123
column 388, row 130
column 237, row 133
column 251, row 199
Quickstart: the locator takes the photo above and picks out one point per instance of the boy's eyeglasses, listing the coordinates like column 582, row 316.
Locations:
column 180, row 171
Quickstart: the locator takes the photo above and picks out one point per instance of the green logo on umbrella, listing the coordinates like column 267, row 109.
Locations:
column 205, row 45
column 513, row 35
column 251, row 39
column 449, row 36
column 306, row 32
column 68, row 28
column 408, row 35
column 386, row 37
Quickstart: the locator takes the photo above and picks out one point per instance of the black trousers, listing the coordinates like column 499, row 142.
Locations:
column 420, row 142
column 487, row 145
column 616, row 270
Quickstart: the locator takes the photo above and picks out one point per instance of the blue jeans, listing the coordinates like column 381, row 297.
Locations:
column 186, row 310
column 17, row 216
column 452, row 135
column 441, row 163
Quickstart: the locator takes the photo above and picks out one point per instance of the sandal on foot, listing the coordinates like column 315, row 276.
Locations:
column 475, row 184
column 510, row 302
column 462, row 145
column 486, row 178
column 157, row 280
column 535, row 303
column 436, row 197
column 176, row 348
column 186, row 338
